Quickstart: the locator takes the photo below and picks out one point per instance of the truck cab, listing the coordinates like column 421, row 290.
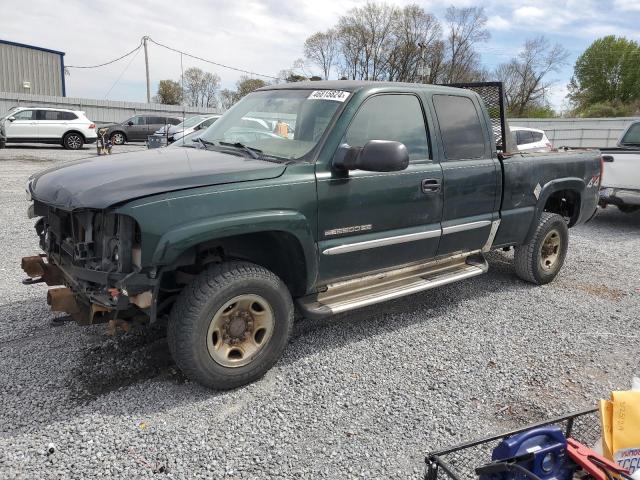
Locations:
column 360, row 192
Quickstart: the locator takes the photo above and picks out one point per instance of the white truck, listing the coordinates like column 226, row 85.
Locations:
column 621, row 172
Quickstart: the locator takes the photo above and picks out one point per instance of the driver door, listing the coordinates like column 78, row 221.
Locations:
column 369, row 221
column 23, row 127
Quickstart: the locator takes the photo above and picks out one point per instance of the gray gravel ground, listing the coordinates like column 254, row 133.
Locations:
column 360, row 395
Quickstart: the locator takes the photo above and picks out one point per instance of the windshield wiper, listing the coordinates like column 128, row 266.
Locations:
column 254, row 152
column 205, row 143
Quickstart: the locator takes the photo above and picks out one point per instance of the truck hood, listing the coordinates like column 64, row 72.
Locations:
column 101, row 182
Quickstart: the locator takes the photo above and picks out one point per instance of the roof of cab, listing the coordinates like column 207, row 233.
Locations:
column 354, row 85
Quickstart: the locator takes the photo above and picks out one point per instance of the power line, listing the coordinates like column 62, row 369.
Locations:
column 109, row 62
column 212, row 62
column 123, row 72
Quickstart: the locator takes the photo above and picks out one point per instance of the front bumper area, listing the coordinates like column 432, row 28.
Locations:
column 89, row 296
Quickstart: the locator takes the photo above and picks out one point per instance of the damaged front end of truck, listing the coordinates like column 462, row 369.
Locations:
column 92, row 261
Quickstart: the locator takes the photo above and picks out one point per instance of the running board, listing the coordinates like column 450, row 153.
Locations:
column 352, row 294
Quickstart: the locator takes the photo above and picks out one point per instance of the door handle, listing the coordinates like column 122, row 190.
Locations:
column 607, row 158
column 430, row 185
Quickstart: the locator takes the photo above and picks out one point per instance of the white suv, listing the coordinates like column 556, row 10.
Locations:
column 69, row 128
column 531, row 139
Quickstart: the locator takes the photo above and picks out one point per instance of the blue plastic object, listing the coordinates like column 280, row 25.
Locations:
column 542, row 451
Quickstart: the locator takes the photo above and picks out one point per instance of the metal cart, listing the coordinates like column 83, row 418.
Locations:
column 459, row 462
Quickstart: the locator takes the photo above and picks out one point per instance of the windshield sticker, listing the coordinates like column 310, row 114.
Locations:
column 335, row 95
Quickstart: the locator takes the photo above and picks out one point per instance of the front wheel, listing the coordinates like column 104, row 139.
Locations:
column 230, row 325
column 540, row 260
column 73, row 141
column 118, row 138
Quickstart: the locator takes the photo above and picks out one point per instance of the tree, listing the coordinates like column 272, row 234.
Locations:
column 169, row 92
column 246, row 85
column 200, row 87
column 227, row 98
column 416, row 48
column 365, row 38
column 606, row 75
column 465, row 28
column 524, row 77
column 321, row 48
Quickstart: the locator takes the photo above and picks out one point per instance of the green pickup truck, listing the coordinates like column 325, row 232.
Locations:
column 332, row 196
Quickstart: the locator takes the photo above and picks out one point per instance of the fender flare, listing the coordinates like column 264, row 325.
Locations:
column 549, row 188
column 173, row 243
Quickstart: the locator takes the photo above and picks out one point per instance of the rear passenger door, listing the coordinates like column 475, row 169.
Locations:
column 470, row 175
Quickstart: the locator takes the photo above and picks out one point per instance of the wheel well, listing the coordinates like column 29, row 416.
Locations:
column 565, row 203
column 74, row 131
column 277, row 251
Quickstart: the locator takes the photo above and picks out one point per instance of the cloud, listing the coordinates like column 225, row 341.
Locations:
column 496, row 22
column 264, row 36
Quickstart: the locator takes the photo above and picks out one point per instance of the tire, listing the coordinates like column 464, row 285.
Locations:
column 535, row 265
column 628, row 208
column 208, row 354
column 118, row 138
column 73, row 141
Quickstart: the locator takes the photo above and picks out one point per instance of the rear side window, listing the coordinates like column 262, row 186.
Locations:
column 524, row 137
column 460, row 127
column 208, row 122
column 172, row 121
column 55, row 115
column 537, row 136
column 632, row 137
column 391, row 117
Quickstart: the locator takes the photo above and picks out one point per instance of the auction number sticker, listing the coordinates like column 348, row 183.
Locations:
column 335, row 95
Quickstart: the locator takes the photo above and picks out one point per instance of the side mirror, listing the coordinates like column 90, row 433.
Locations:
column 11, row 119
column 130, row 123
column 375, row 156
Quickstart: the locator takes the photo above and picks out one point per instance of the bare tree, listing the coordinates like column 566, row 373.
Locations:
column 415, row 44
column 365, row 39
column 321, row 48
column 524, row 76
column 465, row 28
column 227, row 98
column 210, row 86
column 193, row 79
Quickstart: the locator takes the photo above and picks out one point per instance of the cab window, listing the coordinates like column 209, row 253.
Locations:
column 460, row 127
column 391, row 117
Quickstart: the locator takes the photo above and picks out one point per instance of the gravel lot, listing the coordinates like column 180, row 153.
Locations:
column 360, row 395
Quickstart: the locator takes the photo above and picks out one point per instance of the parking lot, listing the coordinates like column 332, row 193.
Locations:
column 360, row 395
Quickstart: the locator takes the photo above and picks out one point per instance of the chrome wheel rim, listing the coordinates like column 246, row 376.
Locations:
column 550, row 250
column 239, row 330
column 73, row 142
column 118, row 139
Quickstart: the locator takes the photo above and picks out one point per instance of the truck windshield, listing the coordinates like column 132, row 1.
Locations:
column 286, row 124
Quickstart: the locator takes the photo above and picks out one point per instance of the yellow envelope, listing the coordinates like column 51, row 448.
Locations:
column 620, row 419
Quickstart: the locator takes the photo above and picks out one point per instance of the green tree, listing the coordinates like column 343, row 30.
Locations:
column 169, row 92
column 246, row 85
column 606, row 75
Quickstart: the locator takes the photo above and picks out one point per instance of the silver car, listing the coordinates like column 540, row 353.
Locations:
column 191, row 124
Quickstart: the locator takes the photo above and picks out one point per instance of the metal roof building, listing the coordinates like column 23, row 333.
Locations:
column 29, row 69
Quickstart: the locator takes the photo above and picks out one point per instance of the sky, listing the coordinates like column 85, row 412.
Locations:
column 268, row 36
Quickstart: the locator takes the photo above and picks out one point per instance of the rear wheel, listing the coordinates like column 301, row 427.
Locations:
column 73, row 141
column 118, row 138
column 540, row 260
column 230, row 325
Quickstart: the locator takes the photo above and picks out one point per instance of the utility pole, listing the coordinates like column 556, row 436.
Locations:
column 146, row 66
column 424, row 71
